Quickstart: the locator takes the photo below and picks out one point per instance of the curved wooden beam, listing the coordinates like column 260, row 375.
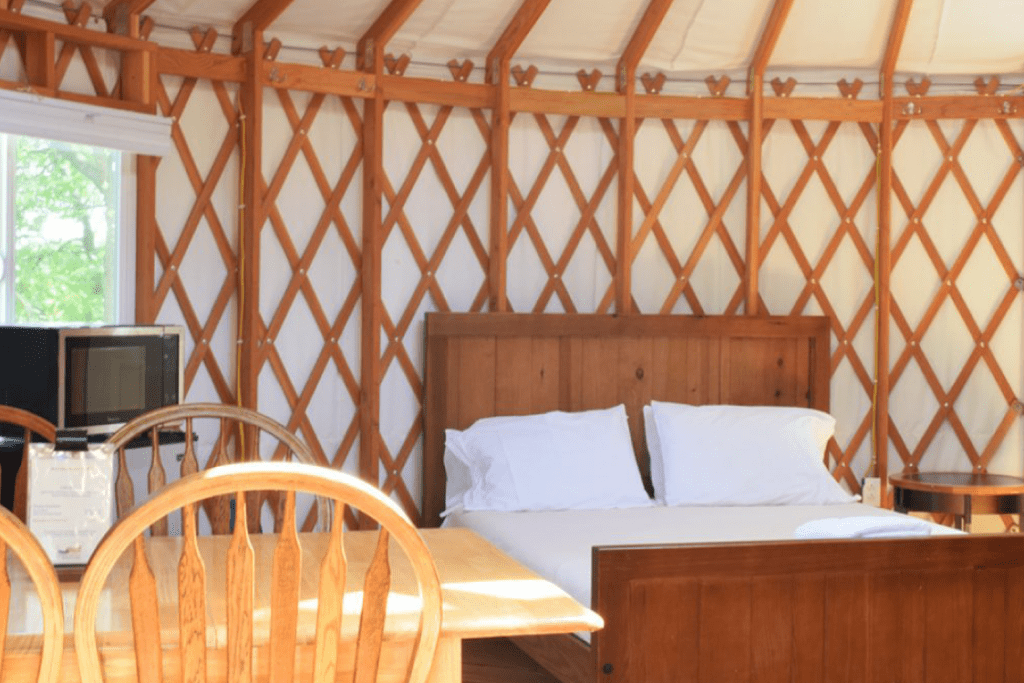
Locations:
column 256, row 19
column 513, row 36
column 370, row 48
column 883, row 258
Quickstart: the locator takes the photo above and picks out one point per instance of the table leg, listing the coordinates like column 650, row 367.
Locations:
column 965, row 521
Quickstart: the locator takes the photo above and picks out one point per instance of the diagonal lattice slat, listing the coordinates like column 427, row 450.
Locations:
column 981, row 358
column 525, row 222
column 170, row 256
column 397, row 218
column 300, row 259
column 781, row 235
column 656, row 225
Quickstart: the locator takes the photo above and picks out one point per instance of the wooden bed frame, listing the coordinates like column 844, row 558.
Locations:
column 937, row 609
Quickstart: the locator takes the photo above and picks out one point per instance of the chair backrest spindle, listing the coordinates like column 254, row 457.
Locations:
column 233, row 434
column 142, row 589
column 191, row 601
column 329, row 602
column 371, row 621
column 262, row 631
column 240, row 596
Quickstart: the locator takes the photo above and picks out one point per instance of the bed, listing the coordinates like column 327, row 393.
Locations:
column 935, row 609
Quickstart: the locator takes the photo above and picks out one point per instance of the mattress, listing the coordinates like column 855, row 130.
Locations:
column 557, row 544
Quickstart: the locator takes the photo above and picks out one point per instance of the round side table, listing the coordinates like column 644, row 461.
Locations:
column 958, row 493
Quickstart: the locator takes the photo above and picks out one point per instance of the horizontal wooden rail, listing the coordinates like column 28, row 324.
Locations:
column 19, row 23
column 206, row 65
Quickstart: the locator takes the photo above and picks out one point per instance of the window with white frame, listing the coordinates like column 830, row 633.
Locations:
column 60, row 231
column 66, row 191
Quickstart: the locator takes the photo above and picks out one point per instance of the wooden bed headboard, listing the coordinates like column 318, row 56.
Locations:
column 485, row 364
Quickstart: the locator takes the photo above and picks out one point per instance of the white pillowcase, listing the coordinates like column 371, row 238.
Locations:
column 552, row 461
column 743, row 455
column 656, row 461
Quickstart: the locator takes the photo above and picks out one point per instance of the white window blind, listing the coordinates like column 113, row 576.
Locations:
column 55, row 119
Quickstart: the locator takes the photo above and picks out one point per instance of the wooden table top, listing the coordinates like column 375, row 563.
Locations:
column 485, row 593
column 960, row 483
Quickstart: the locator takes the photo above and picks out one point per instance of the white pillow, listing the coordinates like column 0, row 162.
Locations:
column 745, row 455
column 656, row 460
column 552, row 461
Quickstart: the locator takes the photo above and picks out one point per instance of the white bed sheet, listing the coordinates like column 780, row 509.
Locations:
column 557, row 544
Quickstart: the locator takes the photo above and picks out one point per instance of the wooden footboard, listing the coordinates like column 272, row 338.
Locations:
column 917, row 611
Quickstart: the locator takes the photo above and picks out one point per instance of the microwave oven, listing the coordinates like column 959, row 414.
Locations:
column 93, row 379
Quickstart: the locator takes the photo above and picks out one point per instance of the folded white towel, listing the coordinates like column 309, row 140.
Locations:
column 863, row 527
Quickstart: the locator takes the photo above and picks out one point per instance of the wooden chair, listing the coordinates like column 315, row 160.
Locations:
column 31, row 424
column 238, row 439
column 17, row 538
column 268, row 651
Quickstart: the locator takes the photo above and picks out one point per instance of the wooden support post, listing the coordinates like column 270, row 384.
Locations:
column 145, row 239
column 756, row 132
column 500, row 121
column 499, row 61
column 373, row 193
column 755, row 91
column 883, row 267
column 251, row 343
column 138, row 78
column 625, row 85
column 883, row 251
column 370, row 55
column 626, row 78
column 39, row 52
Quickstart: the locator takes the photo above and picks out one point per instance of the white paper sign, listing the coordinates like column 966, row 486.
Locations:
column 70, row 500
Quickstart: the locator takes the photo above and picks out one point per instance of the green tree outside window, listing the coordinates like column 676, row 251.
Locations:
column 65, row 232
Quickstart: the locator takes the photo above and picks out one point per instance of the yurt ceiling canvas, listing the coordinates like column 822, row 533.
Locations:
column 316, row 206
column 695, row 36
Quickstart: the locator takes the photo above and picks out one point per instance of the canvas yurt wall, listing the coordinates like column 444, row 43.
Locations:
column 894, row 207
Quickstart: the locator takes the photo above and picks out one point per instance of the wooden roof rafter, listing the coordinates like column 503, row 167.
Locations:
column 640, row 41
column 895, row 42
column 769, row 38
column 370, row 49
column 526, row 17
column 255, row 20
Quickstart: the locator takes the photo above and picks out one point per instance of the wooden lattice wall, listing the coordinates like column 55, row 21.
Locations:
column 311, row 213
